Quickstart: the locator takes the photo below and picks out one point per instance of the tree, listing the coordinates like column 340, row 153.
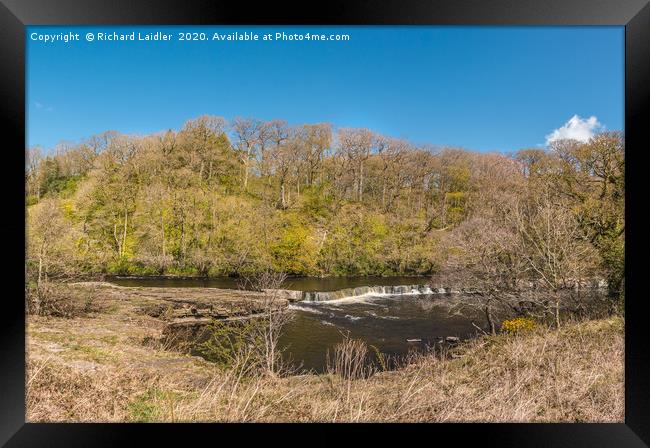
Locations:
column 289, row 198
column 252, row 138
column 47, row 232
column 355, row 147
column 553, row 245
column 483, row 260
column 315, row 140
column 592, row 175
column 114, row 195
column 33, row 160
column 390, row 152
column 205, row 148
column 282, row 155
column 265, row 333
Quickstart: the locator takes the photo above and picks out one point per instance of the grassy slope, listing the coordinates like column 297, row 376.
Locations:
column 109, row 367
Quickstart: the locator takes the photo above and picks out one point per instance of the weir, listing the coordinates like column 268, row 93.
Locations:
column 315, row 296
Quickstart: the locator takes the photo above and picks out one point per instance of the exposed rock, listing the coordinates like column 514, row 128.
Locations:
column 286, row 294
column 188, row 322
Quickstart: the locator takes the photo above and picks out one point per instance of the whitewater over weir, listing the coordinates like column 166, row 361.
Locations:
column 394, row 319
column 360, row 293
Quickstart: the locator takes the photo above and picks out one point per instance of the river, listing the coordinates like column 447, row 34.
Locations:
column 384, row 321
column 295, row 283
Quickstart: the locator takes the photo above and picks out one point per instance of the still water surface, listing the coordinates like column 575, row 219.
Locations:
column 295, row 283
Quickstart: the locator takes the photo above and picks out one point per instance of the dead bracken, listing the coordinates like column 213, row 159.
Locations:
column 108, row 366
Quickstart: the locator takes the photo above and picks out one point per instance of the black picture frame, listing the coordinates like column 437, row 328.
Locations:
column 633, row 14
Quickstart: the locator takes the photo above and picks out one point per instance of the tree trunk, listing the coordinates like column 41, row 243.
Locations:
column 126, row 222
column 443, row 209
column 117, row 240
column 40, row 267
column 246, row 175
column 162, row 228
column 490, row 320
column 360, row 182
column 183, row 240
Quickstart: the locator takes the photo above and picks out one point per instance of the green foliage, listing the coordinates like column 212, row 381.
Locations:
column 317, row 203
column 456, row 206
column 295, row 251
column 31, row 200
column 612, row 248
column 381, row 358
column 269, row 196
column 153, row 405
column 594, row 175
column 227, row 342
column 65, row 186
column 354, row 243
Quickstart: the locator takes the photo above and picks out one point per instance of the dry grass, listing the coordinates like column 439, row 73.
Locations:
column 99, row 369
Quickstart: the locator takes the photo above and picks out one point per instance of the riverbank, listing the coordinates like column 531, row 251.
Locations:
column 301, row 283
column 110, row 364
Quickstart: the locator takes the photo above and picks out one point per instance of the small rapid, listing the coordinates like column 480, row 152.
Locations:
column 395, row 324
column 361, row 292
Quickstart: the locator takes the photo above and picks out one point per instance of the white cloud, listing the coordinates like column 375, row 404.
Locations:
column 581, row 129
column 41, row 106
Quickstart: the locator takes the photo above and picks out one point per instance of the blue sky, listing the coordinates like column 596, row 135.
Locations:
column 482, row 88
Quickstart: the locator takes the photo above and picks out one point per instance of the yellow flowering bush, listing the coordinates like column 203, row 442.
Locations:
column 518, row 324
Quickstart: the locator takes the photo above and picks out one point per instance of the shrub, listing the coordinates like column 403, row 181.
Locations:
column 44, row 299
column 518, row 325
column 227, row 343
column 60, row 300
column 350, row 360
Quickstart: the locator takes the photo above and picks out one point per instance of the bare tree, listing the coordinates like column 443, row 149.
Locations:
column 315, row 141
column 274, row 316
column 47, row 229
column 247, row 142
column 33, row 160
column 355, row 146
column 483, row 263
column 390, row 153
column 553, row 246
column 529, row 252
column 282, row 155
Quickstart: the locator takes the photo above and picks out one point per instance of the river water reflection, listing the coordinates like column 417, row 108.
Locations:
column 295, row 283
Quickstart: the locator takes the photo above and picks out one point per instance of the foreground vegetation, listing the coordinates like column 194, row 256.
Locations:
column 109, row 363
